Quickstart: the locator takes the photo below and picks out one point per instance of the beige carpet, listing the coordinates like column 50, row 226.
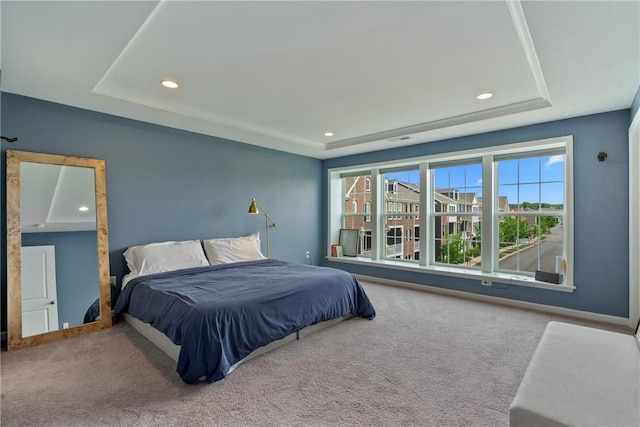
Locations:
column 425, row 360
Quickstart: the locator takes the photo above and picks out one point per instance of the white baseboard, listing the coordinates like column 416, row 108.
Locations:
column 499, row 300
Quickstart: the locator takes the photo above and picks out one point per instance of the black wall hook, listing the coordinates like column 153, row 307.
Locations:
column 9, row 139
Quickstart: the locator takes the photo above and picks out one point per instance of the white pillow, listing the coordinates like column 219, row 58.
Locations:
column 165, row 256
column 233, row 249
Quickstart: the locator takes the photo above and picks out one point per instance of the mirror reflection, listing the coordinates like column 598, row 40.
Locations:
column 59, row 247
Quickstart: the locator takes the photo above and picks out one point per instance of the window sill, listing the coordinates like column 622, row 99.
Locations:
column 508, row 279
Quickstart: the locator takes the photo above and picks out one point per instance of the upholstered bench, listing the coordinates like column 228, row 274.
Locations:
column 580, row 376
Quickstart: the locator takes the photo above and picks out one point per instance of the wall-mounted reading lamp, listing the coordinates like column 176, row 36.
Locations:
column 254, row 209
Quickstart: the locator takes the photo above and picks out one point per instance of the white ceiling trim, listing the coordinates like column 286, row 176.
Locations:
column 520, row 23
column 208, row 117
column 517, row 107
column 543, row 101
column 146, row 23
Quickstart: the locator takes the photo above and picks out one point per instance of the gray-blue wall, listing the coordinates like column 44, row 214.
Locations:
column 601, row 193
column 76, row 271
column 167, row 184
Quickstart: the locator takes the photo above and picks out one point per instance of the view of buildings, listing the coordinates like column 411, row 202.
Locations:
column 457, row 216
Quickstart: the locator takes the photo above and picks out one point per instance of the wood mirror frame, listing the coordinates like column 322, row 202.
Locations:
column 14, row 243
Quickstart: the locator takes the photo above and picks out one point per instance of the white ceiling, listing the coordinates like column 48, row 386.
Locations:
column 281, row 74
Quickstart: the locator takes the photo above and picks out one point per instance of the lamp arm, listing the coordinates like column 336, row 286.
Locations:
column 273, row 224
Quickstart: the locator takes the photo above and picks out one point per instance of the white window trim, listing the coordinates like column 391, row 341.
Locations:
column 441, row 270
column 489, row 191
column 634, row 220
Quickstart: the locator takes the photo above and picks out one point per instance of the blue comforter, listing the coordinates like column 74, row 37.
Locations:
column 220, row 314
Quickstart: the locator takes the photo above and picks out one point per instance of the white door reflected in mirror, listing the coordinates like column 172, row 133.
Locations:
column 39, row 296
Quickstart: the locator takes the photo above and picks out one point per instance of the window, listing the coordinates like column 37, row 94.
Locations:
column 517, row 196
column 458, row 186
column 353, row 191
column 531, row 233
column 406, row 185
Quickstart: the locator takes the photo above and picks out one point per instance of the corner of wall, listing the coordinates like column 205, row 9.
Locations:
column 635, row 104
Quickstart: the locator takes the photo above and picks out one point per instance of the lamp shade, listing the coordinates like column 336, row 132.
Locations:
column 253, row 208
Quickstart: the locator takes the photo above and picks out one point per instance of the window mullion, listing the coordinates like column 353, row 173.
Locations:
column 376, row 214
column 489, row 221
column 426, row 200
column 567, row 218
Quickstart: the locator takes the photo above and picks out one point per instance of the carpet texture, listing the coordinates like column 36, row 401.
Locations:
column 425, row 360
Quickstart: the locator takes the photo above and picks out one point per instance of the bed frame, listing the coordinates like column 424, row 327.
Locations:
column 173, row 351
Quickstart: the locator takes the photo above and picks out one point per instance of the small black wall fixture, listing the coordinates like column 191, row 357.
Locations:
column 601, row 156
column 9, row 139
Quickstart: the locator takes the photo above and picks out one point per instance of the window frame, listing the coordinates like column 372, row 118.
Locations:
column 524, row 213
column 349, row 213
column 488, row 211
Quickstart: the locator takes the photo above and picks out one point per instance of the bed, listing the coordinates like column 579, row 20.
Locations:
column 210, row 318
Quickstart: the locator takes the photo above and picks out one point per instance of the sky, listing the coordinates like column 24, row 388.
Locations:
column 534, row 179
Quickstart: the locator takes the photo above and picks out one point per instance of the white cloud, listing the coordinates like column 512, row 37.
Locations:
column 479, row 182
column 554, row 159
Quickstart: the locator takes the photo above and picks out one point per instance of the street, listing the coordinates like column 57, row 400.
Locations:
column 527, row 259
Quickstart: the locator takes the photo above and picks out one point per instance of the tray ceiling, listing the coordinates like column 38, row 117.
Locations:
column 281, row 74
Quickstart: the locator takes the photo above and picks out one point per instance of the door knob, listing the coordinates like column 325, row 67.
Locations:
column 52, row 302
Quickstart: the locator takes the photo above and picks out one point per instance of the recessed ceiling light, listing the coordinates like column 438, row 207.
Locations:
column 485, row 95
column 169, row 84
column 328, row 134
column 83, row 208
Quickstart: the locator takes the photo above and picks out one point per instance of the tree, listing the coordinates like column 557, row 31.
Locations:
column 543, row 225
column 534, row 206
column 511, row 230
column 452, row 252
column 549, row 222
column 477, row 240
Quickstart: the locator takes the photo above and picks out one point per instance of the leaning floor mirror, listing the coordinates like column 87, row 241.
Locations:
column 57, row 248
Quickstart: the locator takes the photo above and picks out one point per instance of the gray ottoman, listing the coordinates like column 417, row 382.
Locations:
column 580, row 376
